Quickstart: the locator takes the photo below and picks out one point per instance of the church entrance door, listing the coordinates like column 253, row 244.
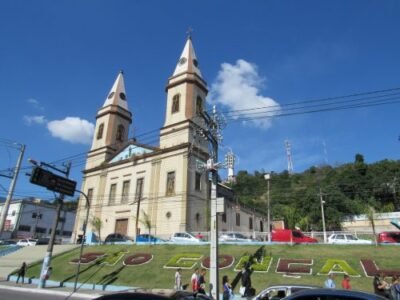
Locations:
column 121, row 226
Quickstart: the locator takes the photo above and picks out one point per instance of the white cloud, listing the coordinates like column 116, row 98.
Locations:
column 72, row 129
column 35, row 103
column 29, row 120
column 238, row 88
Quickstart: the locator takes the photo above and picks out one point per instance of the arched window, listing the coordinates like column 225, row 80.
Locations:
column 100, row 131
column 120, row 133
column 175, row 103
column 199, row 105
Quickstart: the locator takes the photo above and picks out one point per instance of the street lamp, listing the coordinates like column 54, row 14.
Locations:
column 83, row 238
column 267, row 177
column 322, row 214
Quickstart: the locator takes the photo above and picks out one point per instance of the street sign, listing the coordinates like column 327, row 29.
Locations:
column 53, row 182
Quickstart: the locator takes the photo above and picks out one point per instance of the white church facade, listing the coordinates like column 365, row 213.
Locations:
column 136, row 188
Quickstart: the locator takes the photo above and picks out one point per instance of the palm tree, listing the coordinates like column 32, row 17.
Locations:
column 146, row 221
column 97, row 224
column 370, row 213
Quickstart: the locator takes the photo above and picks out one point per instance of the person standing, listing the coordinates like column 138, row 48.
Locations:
column 194, row 280
column 329, row 283
column 178, row 279
column 346, row 282
column 395, row 288
column 21, row 272
column 227, row 288
column 202, row 282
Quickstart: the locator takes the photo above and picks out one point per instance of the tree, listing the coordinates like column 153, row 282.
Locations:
column 370, row 213
column 146, row 221
column 97, row 224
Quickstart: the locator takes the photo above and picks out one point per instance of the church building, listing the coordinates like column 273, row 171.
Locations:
column 135, row 188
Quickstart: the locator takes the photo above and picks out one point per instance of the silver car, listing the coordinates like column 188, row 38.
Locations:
column 345, row 239
column 234, row 237
column 276, row 292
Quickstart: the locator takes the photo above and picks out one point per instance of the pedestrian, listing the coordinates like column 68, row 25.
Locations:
column 202, row 282
column 380, row 285
column 329, row 283
column 21, row 272
column 395, row 288
column 178, row 279
column 346, row 282
column 227, row 288
column 194, row 280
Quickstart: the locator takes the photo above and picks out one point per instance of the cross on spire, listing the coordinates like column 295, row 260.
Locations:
column 189, row 33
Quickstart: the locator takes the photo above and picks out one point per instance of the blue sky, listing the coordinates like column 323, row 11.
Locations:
column 59, row 59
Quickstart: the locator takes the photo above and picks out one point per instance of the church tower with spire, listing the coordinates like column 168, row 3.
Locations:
column 186, row 94
column 112, row 125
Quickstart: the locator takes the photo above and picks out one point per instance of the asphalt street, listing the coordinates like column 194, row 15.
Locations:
column 15, row 293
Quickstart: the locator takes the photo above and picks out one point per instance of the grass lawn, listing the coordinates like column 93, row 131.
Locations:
column 153, row 275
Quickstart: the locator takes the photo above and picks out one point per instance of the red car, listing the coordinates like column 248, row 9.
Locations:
column 291, row 236
column 390, row 236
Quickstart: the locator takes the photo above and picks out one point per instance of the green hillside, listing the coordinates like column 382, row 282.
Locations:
column 154, row 275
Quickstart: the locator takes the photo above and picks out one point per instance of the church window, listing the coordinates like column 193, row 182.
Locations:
column 89, row 196
column 170, row 183
column 113, row 190
column 100, row 131
column 175, row 103
column 199, row 105
column 139, row 189
column 125, row 191
column 237, row 219
column 120, row 133
column 197, row 183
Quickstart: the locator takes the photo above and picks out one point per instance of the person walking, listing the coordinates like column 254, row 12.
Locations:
column 194, row 280
column 329, row 283
column 21, row 272
column 202, row 282
column 346, row 282
column 395, row 288
column 178, row 279
column 227, row 288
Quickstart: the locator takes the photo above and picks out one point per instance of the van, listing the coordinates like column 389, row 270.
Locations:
column 291, row 236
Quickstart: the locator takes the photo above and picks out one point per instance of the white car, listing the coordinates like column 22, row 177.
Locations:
column 343, row 239
column 27, row 242
column 234, row 237
column 184, row 237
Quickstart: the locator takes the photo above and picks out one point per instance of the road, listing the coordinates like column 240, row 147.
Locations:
column 14, row 293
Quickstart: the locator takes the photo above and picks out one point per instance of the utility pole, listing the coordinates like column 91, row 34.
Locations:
column 213, row 135
column 6, row 206
column 267, row 177
column 322, row 213
column 49, row 252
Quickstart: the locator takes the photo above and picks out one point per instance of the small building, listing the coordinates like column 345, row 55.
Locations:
column 34, row 218
column 361, row 222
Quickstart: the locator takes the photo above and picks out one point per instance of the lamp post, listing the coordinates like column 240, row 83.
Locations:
column 83, row 238
column 322, row 214
column 267, row 177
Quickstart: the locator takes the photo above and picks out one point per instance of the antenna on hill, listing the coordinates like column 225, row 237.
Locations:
column 289, row 157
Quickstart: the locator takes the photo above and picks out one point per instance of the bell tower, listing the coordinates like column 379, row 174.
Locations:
column 112, row 125
column 186, row 94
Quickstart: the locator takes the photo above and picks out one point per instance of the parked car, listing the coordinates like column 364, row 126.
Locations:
column 345, row 239
column 184, row 237
column 276, row 292
column 117, row 238
column 291, row 236
column 148, row 238
column 389, row 237
column 233, row 237
column 153, row 294
column 332, row 294
column 27, row 242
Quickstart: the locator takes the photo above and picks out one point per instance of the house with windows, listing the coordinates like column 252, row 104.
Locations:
column 138, row 188
column 34, row 218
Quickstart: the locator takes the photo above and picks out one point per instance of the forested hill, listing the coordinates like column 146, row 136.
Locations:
column 347, row 189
